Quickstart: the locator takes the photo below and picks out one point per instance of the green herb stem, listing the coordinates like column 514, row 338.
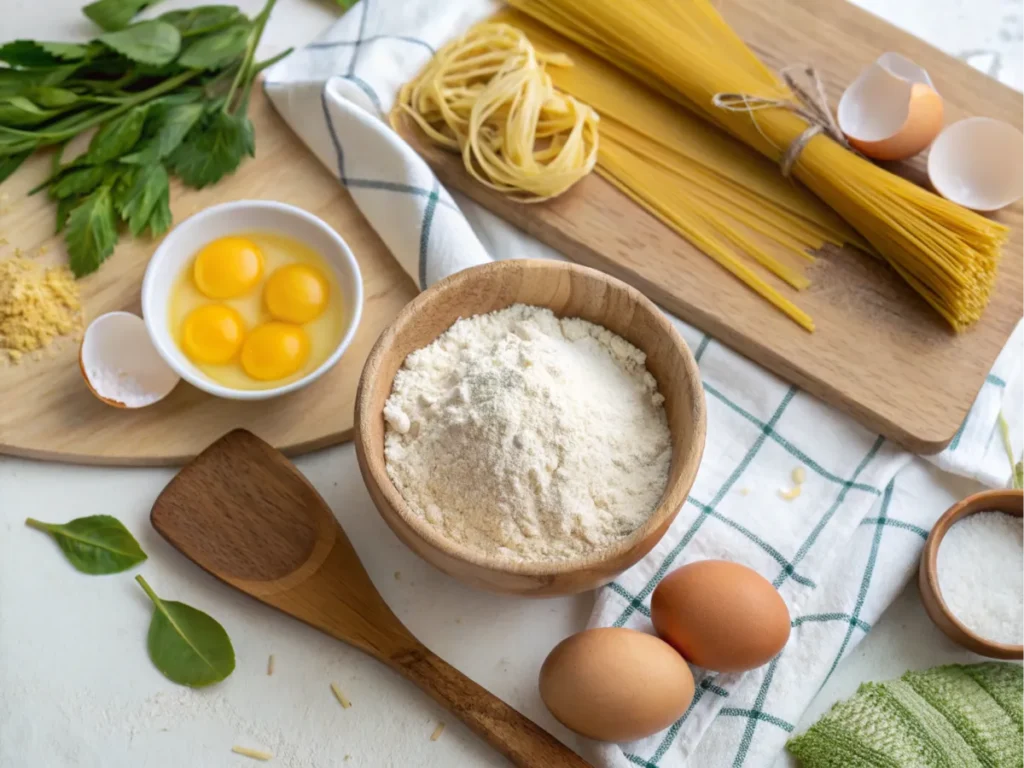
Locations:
column 38, row 525
column 261, row 65
column 244, row 71
column 148, row 590
column 46, row 139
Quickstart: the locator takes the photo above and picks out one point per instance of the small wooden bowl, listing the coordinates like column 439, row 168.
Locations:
column 568, row 290
column 1012, row 503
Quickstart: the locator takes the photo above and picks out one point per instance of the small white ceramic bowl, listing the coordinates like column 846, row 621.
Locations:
column 233, row 218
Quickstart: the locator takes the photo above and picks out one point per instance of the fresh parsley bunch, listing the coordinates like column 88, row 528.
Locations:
column 167, row 96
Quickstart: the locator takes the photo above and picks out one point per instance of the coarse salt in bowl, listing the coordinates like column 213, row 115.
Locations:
column 941, row 605
column 181, row 245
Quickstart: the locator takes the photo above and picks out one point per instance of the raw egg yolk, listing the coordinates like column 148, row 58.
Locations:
column 228, row 267
column 275, row 350
column 296, row 293
column 212, row 334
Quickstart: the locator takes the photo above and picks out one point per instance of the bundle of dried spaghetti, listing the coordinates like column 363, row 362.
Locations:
column 687, row 51
column 488, row 96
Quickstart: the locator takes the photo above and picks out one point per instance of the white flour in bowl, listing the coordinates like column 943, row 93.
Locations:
column 522, row 435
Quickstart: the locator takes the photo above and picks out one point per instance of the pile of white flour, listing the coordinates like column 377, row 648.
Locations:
column 522, row 435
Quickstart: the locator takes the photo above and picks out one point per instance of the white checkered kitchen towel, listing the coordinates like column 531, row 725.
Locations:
column 839, row 553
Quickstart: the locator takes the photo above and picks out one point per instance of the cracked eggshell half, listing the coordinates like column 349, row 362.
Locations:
column 978, row 163
column 120, row 365
column 892, row 110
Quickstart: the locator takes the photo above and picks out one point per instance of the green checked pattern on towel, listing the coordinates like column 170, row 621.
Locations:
column 839, row 553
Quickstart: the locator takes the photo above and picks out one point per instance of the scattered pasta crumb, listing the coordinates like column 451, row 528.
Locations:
column 345, row 703
column 255, row 754
column 744, row 491
column 270, row 665
column 790, row 494
column 799, row 475
column 437, row 732
column 347, row 758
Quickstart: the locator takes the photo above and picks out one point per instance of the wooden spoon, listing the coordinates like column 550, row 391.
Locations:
column 243, row 512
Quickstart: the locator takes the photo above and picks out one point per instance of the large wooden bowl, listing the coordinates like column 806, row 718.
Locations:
column 568, row 290
column 1012, row 503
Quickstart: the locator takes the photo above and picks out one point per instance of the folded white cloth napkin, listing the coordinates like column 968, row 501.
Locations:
column 838, row 553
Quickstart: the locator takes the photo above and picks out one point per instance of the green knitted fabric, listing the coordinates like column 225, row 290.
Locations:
column 957, row 716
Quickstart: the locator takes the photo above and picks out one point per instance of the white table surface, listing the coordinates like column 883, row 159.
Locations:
column 499, row 642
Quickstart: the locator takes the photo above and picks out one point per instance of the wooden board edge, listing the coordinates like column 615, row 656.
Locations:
column 176, row 460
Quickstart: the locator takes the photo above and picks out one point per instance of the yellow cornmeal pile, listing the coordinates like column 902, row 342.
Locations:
column 36, row 306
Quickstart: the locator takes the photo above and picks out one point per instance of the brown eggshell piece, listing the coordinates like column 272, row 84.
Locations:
column 615, row 684
column 720, row 615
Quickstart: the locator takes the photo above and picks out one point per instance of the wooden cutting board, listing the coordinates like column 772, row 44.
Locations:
column 46, row 411
column 879, row 353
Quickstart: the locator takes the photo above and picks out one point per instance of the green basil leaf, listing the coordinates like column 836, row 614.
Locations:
column 117, row 136
column 160, row 219
column 10, row 163
column 91, row 232
column 151, row 183
column 202, row 20
column 112, row 15
column 78, row 181
column 217, row 49
column 148, row 42
column 30, row 53
column 188, row 646
column 213, row 148
column 121, row 187
column 96, row 545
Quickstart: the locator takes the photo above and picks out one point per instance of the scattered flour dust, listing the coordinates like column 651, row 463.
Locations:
column 979, row 566
column 174, row 708
column 521, row 434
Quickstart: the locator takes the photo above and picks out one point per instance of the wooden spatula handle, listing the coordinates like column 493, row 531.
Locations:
column 522, row 741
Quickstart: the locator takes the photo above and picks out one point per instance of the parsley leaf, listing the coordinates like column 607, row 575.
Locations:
column 91, row 232
column 18, row 111
column 213, row 148
column 79, row 181
column 30, row 53
column 116, row 137
column 160, row 219
column 148, row 42
column 151, row 184
column 115, row 14
column 202, row 20
column 215, row 50
column 10, row 163
column 64, row 208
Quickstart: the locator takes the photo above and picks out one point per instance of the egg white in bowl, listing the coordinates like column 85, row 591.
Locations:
column 167, row 295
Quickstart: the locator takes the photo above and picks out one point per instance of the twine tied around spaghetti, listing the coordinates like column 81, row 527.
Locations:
column 811, row 106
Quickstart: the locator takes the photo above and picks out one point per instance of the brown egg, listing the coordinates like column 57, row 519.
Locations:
column 720, row 615
column 615, row 684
